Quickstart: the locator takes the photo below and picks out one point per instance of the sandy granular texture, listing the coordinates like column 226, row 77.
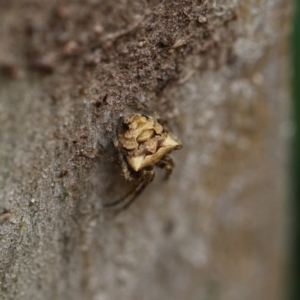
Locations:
column 215, row 73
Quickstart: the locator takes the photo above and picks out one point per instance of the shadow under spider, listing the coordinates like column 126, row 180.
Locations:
column 147, row 175
column 125, row 201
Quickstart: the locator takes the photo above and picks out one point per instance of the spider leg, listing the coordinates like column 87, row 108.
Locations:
column 123, row 198
column 167, row 164
column 149, row 175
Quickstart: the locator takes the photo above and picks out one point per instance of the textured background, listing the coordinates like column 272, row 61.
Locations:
column 217, row 228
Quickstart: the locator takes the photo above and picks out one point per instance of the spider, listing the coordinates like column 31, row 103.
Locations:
column 142, row 143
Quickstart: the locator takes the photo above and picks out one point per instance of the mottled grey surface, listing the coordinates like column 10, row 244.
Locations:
column 214, row 230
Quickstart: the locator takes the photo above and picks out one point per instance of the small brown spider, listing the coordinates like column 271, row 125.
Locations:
column 141, row 144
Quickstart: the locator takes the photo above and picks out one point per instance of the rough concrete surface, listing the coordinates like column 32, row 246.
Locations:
column 216, row 74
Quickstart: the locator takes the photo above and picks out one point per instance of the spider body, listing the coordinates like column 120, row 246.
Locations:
column 142, row 143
